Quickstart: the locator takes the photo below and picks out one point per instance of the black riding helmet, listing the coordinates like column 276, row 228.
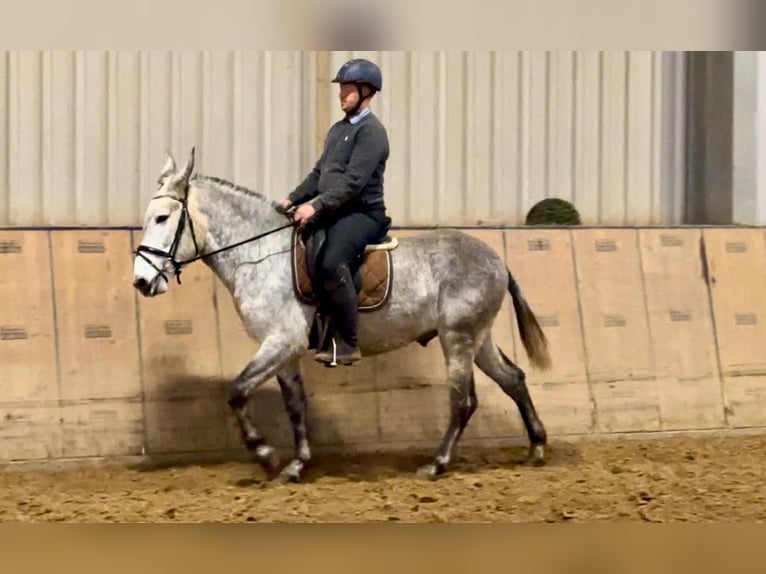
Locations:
column 360, row 71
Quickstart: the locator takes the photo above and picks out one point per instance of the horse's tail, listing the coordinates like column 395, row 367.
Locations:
column 532, row 335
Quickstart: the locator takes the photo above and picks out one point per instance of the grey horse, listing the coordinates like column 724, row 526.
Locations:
column 448, row 285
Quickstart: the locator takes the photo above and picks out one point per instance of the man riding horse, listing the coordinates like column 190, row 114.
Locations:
column 343, row 195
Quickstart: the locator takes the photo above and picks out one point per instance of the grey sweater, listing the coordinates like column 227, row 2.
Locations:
column 350, row 170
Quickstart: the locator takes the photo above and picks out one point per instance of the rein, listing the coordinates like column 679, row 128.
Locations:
column 170, row 254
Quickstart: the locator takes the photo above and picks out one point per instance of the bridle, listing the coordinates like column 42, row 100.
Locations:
column 170, row 254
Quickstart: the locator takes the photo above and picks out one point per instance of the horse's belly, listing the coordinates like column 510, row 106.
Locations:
column 397, row 325
column 412, row 309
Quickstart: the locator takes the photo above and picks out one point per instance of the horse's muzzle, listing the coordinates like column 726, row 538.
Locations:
column 146, row 288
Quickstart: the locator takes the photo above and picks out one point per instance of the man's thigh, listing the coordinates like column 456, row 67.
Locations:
column 347, row 238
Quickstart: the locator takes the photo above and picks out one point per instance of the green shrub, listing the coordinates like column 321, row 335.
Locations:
column 553, row 211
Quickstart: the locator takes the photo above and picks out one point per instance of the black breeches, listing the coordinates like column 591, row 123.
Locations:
column 345, row 242
column 346, row 238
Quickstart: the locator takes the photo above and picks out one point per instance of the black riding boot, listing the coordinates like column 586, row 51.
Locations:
column 343, row 303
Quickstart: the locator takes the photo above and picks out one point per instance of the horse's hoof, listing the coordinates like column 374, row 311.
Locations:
column 291, row 474
column 281, row 479
column 267, row 457
column 430, row 471
column 537, row 454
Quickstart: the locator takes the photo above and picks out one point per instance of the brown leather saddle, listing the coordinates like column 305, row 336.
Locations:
column 372, row 279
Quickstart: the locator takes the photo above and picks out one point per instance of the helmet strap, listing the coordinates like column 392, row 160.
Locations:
column 355, row 110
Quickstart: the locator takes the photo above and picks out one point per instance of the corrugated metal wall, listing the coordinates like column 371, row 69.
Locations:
column 477, row 137
column 83, row 134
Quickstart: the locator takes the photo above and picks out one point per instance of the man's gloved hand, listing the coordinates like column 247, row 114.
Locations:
column 284, row 206
column 304, row 213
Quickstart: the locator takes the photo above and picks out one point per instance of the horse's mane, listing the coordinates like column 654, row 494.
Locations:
column 228, row 185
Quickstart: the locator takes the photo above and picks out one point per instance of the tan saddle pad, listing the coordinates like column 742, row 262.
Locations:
column 376, row 272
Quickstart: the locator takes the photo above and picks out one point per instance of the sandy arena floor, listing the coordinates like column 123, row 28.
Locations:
column 662, row 480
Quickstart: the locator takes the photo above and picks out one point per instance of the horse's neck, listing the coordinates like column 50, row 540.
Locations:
column 233, row 216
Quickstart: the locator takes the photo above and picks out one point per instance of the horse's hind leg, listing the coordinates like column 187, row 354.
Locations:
column 458, row 351
column 493, row 363
column 291, row 385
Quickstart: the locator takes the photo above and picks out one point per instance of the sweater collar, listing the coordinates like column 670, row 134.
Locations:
column 358, row 117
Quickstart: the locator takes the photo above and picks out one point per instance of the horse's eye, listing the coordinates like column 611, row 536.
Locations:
column 160, row 219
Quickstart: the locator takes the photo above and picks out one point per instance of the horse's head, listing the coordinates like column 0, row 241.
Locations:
column 169, row 234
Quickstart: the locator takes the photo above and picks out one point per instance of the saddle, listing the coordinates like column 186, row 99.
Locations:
column 372, row 276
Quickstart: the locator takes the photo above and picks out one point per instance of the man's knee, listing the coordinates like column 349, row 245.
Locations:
column 334, row 260
column 334, row 274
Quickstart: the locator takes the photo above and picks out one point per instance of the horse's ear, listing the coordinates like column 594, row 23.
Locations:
column 168, row 169
column 183, row 177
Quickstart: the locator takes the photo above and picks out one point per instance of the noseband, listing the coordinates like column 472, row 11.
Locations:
column 170, row 254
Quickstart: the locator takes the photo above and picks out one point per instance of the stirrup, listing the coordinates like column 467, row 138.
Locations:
column 331, row 358
column 334, row 362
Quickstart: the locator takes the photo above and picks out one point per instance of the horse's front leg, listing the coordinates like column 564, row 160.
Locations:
column 294, row 396
column 272, row 355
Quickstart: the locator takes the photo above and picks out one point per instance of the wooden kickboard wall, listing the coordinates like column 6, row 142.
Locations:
column 650, row 330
